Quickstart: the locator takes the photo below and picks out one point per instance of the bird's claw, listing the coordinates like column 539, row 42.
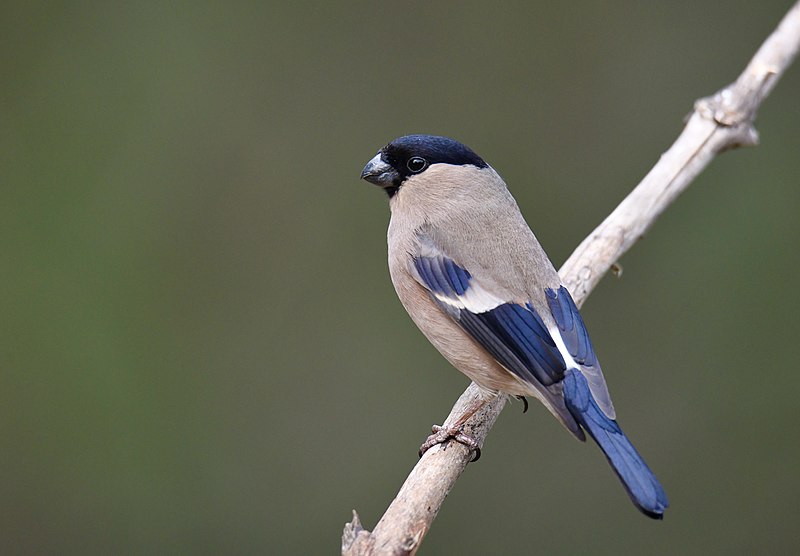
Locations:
column 524, row 401
column 443, row 434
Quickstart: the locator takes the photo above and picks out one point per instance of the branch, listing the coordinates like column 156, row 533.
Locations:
column 720, row 122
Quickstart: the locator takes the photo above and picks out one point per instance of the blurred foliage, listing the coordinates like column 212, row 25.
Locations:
column 201, row 349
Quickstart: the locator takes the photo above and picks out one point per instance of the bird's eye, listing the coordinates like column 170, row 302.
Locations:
column 416, row 164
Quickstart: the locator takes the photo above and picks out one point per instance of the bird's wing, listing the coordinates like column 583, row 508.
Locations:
column 513, row 333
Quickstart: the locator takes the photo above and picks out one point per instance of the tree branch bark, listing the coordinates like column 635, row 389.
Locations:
column 720, row 122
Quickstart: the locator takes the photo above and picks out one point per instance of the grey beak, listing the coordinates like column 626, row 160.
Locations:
column 379, row 173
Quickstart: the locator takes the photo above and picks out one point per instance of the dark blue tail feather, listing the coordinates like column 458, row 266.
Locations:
column 643, row 488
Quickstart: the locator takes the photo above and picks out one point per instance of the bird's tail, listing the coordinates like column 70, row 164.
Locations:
column 643, row 488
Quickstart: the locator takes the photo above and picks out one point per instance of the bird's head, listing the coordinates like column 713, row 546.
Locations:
column 410, row 156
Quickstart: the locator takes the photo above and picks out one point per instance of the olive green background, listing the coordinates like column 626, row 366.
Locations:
column 202, row 352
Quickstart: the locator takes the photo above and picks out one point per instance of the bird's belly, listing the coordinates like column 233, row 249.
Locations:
column 464, row 353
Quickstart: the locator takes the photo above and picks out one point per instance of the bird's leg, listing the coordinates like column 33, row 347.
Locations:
column 455, row 431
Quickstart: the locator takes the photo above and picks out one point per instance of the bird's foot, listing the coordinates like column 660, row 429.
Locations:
column 443, row 434
column 524, row 401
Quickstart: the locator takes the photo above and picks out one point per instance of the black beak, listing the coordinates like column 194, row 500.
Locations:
column 379, row 173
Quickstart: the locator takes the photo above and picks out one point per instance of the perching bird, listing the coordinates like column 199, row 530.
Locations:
column 476, row 282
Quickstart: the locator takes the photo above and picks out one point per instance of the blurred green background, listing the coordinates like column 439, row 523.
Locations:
column 201, row 349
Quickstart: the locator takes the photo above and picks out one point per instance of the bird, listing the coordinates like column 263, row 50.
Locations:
column 475, row 280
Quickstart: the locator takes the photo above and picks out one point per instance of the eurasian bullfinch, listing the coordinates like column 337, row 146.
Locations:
column 476, row 282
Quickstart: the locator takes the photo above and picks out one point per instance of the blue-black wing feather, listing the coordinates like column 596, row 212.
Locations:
column 571, row 326
column 514, row 334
